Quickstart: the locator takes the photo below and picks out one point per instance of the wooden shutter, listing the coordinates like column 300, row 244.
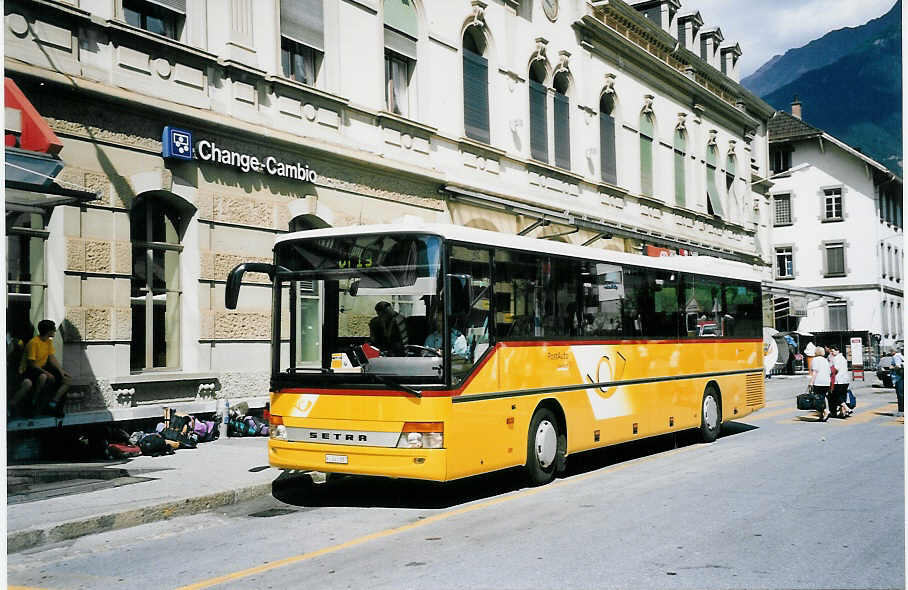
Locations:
column 607, row 148
column 562, row 131
column 475, row 96
column 539, row 136
column 712, row 189
column 680, row 180
column 646, row 155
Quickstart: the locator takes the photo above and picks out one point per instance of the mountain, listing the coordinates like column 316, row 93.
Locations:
column 783, row 69
column 850, row 84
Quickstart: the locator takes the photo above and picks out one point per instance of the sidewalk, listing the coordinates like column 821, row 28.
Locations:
column 48, row 503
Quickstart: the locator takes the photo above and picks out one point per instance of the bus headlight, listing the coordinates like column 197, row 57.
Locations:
column 422, row 435
column 276, row 429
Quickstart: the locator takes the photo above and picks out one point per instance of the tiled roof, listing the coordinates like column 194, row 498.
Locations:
column 784, row 127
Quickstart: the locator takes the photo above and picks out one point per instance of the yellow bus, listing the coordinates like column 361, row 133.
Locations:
column 439, row 352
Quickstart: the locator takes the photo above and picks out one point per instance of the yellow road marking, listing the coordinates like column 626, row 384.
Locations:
column 868, row 415
column 420, row 523
column 774, row 413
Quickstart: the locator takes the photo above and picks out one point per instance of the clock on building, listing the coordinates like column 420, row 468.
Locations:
column 550, row 7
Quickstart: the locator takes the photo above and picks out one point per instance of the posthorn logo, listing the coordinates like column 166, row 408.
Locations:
column 177, row 143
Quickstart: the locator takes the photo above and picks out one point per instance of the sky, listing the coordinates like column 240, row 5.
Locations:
column 765, row 28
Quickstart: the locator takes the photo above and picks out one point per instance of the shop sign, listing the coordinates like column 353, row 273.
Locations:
column 179, row 144
column 797, row 306
column 659, row 252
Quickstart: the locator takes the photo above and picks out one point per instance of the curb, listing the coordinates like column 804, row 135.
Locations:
column 29, row 538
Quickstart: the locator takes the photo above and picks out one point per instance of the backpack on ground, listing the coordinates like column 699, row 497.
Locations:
column 206, row 430
column 255, row 426
column 122, row 450
column 154, row 444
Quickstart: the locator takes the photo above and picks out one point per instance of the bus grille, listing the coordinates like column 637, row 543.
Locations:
column 754, row 390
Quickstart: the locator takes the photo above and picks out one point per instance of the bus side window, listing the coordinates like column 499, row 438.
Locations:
column 602, row 287
column 474, row 324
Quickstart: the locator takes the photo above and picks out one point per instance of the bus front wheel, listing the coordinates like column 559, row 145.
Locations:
column 711, row 418
column 542, row 447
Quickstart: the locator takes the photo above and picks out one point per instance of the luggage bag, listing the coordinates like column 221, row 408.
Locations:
column 811, row 401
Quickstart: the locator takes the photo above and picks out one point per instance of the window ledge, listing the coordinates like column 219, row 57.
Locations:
column 831, row 219
column 162, row 377
column 836, row 275
column 478, row 145
column 789, row 224
column 384, row 116
column 785, row 278
column 123, row 27
column 552, row 170
column 312, row 90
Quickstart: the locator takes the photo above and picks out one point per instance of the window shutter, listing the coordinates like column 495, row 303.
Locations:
column 174, row 5
column 475, row 96
column 539, row 137
column 646, row 155
column 680, row 181
column 712, row 189
column 303, row 21
column 562, row 131
column 401, row 16
column 607, row 148
column 400, row 44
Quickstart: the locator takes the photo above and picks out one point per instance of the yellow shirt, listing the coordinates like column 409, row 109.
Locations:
column 37, row 350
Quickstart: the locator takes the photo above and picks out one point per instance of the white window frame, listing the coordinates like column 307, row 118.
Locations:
column 775, row 261
column 775, row 211
column 831, row 195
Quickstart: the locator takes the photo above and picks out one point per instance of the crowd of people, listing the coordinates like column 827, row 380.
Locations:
column 831, row 378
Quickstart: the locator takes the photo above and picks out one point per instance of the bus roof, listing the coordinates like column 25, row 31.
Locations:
column 705, row 265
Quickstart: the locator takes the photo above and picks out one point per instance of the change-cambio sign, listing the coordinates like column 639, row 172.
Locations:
column 178, row 144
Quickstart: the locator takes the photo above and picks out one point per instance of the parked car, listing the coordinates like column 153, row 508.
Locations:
column 883, row 372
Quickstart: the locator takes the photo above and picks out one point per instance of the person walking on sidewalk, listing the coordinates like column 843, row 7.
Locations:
column 43, row 369
column 840, row 379
column 819, row 380
column 898, row 381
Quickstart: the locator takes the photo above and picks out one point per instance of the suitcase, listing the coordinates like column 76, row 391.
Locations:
column 811, row 401
column 123, row 451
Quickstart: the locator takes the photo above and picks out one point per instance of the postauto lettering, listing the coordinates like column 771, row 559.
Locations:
column 208, row 151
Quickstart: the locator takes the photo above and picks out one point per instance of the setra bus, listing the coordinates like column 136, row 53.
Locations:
column 438, row 352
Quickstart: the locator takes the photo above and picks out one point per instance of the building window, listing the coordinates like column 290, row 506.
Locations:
column 401, row 34
column 713, row 200
column 730, row 187
column 475, row 86
column 898, row 320
column 784, row 263
column 832, row 204
column 302, row 39
column 780, row 159
column 647, row 131
column 298, row 62
column 155, row 292
column 680, row 149
column 835, row 259
column 562, row 120
column 397, row 84
column 781, row 206
column 155, row 17
column 607, row 139
column 539, row 123
column 25, row 281
column 838, row 317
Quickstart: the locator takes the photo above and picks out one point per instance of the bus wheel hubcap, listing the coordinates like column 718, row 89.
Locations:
column 710, row 412
column 546, row 443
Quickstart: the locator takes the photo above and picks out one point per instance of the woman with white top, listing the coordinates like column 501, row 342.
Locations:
column 819, row 379
column 838, row 395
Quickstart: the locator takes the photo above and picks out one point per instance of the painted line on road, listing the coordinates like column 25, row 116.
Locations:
column 420, row 523
column 859, row 418
column 868, row 415
column 773, row 414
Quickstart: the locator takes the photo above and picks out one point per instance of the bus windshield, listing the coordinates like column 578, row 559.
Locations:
column 361, row 309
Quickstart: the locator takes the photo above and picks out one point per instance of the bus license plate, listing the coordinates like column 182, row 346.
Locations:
column 336, row 459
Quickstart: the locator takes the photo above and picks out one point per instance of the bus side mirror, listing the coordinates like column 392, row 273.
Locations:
column 235, row 279
column 459, row 289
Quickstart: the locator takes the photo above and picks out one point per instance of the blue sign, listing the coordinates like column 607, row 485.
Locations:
column 177, row 143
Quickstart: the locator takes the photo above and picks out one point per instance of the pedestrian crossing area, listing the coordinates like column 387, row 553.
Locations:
column 877, row 412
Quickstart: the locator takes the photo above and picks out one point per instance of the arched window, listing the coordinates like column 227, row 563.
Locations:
column 680, row 145
column 713, row 202
column 562, row 120
column 475, row 85
column 155, row 293
column 539, row 123
column 647, row 131
column 607, row 138
column 401, row 35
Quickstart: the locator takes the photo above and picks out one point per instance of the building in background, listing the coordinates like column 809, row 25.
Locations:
column 836, row 229
column 208, row 127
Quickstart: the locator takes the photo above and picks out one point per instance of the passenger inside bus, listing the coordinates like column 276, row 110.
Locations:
column 388, row 330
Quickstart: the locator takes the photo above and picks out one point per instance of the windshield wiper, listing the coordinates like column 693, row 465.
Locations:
column 321, row 370
column 396, row 385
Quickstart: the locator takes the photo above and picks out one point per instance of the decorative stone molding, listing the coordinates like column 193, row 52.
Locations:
column 648, row 104
column 564, row 57
column 608, row 86
column 478, row 17
column 681, row 125
column 539, row 54
column 712, row 140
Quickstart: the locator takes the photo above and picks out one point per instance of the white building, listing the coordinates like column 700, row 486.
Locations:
column 836, row 228
column 605, row 123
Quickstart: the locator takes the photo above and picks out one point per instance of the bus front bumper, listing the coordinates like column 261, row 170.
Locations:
column 428, row 464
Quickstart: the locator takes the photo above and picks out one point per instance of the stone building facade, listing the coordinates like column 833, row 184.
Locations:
column 612, row 124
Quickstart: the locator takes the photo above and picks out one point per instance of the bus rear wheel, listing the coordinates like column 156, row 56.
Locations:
column 543, row 444
column 711, row 416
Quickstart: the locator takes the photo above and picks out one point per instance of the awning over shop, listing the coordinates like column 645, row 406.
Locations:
column 581, row 221
column 788, row 291
column 21, row 196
